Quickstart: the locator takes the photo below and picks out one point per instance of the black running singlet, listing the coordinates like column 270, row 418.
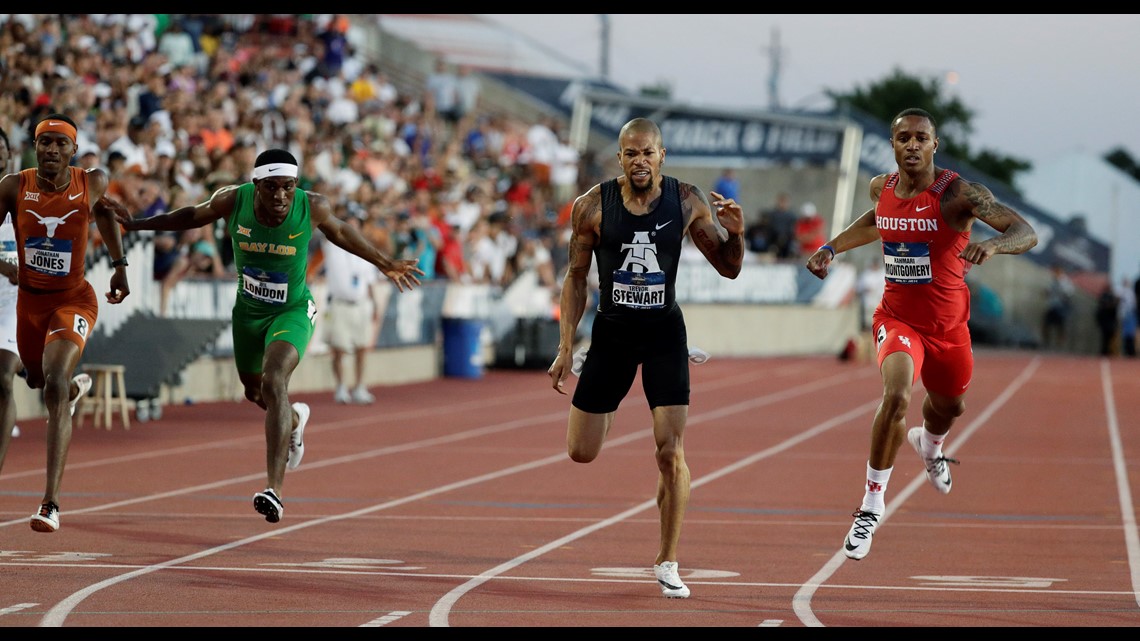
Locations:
column 638, row 255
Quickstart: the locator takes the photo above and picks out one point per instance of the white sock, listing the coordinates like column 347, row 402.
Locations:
column 931, row 443
column 874, row 499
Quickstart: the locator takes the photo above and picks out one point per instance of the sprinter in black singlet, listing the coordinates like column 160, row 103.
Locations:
column 634, row 224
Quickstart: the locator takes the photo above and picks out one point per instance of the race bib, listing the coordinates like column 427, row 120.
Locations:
column 639, row 291
column 48, row 256
column 263, row 286
column 907, row 263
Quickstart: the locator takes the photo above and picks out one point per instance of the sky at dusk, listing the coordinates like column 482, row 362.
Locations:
column 1040, row 85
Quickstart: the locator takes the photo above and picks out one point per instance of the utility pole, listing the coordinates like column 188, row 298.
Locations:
column 604, row 58
column 774, row 53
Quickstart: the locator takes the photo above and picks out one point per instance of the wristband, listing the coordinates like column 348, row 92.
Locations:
column 120, row 262
column 828, row 248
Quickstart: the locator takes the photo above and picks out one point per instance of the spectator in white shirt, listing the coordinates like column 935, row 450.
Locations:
column 352, row 316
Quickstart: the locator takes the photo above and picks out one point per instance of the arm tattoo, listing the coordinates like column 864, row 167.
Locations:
column 732, row 249
column 1016, row 235
column 586, row 205
column 684, row 190
column 702, row 239
column 982, row 202
column 574, row 251
column 728, row 248
column 580, row 252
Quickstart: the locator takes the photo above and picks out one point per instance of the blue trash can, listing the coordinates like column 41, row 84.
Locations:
column 462, row 356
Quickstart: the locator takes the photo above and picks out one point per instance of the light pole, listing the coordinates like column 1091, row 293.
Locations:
column 604, row 41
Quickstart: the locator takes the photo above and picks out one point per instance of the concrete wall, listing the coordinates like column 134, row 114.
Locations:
column 770, row 330
column 210, row 379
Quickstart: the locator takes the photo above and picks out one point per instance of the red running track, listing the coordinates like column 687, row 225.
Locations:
column 453, row 503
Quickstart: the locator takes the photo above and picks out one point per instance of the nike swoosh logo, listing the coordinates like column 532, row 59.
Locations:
column 272, row 169
column 56, row 331
column 284, row 331
column 671, row 587
column 922, row 208
column 73, row 197
column 847, row 544
column 292, row 236
column 663, row 224
column 52, row 123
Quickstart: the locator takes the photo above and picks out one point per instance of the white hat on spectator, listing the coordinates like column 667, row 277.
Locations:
column 86, row 42
column 162, row 117
column 808, row 209
column 164, row 148
column 85, row 144
column 400, row 146
column 185, row 167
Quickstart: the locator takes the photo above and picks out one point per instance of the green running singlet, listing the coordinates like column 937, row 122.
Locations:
column 273, row 299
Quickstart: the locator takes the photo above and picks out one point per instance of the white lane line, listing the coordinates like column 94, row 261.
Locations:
column 1123, row 488
column 56, row 616
column 801, row 602
column 385, row 620
column 441, row 610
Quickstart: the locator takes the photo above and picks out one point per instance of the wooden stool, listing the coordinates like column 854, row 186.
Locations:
column 103, row 401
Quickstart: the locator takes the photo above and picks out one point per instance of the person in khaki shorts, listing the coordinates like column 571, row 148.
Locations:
column 353, row 312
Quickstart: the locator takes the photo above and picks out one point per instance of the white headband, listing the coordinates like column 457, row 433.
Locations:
column 288, row 170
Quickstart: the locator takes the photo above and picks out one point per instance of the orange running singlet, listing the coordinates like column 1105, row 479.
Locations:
column 51, row 233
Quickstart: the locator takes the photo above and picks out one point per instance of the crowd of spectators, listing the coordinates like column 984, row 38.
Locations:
column 778, row 233
column 175, row 106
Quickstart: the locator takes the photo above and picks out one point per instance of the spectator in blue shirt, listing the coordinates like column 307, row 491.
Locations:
column 727, row 184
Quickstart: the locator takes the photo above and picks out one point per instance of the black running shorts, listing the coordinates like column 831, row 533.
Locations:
column 619, row 346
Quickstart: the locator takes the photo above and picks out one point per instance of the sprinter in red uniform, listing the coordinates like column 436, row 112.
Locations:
column 53, row 205
column 922, row 216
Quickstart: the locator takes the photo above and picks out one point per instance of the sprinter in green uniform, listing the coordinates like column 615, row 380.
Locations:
column 271, row 223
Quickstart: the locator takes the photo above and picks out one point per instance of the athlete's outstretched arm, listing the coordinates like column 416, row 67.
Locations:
column 401, row 272
column 861, row 231
column 220, row 205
